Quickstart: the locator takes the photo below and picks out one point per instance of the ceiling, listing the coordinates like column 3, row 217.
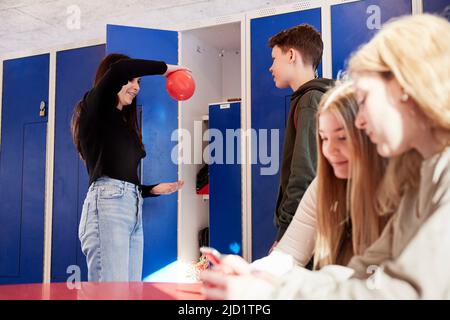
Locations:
column 39, row 24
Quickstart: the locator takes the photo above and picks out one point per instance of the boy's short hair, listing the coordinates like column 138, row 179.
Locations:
column 303, row 38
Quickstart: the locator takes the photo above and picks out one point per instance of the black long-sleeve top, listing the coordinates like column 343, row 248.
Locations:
column 108, row 146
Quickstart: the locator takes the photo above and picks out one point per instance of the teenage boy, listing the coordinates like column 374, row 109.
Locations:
column 296, row 54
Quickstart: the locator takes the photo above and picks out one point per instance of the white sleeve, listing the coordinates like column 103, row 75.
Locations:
column 276, row 263
column 300, row 237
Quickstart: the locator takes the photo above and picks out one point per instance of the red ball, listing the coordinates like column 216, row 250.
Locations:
column 180, row 85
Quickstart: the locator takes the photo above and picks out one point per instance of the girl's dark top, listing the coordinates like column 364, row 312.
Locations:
column 108, row 145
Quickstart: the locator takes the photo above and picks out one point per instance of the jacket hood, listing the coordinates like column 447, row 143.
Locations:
column 316, row 84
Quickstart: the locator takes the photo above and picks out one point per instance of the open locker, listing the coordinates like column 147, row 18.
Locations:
column 213, row 54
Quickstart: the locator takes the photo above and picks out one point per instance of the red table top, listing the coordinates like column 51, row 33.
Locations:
column 102, row 291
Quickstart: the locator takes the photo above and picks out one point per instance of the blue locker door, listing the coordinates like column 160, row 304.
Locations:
column 75, row 72
column 441, row 7
column 355, row 23
column 225, row 215
column 159, row 120
column 268, row 112
column 22, row 169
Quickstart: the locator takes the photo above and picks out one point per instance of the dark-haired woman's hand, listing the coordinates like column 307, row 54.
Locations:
column 172, row 68
column 167, row 188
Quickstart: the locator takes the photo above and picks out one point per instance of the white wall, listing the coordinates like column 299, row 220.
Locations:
column 231, row 74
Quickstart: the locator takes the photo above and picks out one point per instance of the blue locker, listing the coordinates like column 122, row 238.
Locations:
column 75, row 72
column 269, row 106
column 355, row 23
column 441, row 7
column 225, row 209
column 159, row 119
column 22, row 169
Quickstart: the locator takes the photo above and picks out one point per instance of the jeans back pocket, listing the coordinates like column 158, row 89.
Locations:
column 111, row 192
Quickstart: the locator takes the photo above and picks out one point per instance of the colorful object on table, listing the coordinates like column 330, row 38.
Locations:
column 196, row 268
column 213, row 256
column 180, row 85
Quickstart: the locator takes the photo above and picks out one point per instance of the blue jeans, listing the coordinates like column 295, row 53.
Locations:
column 110, row 231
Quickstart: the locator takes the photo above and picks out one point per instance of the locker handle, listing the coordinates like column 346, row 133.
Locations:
column 42, row 109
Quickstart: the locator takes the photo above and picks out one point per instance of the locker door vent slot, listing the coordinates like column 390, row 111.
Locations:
column 223, row 20
column 267, row 12
column 302, row 6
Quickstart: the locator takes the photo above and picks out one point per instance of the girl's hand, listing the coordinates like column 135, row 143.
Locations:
column 233, row 265
column 167, row 188
column 172, row 68
column 219, row 286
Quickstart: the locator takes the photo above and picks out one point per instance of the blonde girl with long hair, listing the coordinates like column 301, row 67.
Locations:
column 334, row 221
column 347, row 219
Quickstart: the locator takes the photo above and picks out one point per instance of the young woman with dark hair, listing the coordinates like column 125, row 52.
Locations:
column 107, row 137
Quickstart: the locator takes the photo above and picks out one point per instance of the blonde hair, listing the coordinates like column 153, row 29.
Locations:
column 415, row 50
column 347, row 219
